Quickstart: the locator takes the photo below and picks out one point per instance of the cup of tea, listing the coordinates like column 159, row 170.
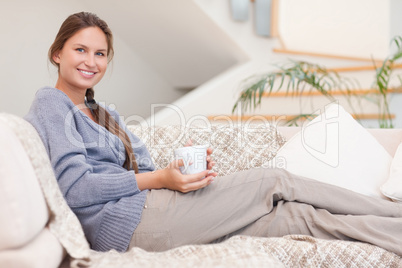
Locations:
column 194, row 158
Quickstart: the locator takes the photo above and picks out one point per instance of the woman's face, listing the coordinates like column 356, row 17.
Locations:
column 82, row 60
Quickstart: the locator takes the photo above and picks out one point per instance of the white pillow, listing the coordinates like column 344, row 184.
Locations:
column 392, row 188
column 334, row 148
column 23, row 210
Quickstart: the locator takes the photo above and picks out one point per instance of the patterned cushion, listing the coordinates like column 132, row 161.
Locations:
column 256, row 145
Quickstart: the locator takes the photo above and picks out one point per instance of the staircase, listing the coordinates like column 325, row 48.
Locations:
column 212, row 102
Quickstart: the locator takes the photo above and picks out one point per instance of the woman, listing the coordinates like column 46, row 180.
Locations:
column 108, row 179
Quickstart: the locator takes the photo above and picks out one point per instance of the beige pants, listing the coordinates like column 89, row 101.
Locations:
column 266, row 203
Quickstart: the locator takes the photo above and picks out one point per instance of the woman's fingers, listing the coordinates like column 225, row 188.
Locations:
column 202, row 175
column 210, row 163
column 210, row 151
column 189, row 143
column 200, row 184
column 177, row 163
column 187, row 183
column 197, row 183
column 200, row 180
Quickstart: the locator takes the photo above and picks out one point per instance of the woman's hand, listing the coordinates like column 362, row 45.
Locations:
column 210, row 162
column 173, row 179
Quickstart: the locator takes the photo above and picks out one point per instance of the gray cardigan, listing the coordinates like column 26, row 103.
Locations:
column 87, row 160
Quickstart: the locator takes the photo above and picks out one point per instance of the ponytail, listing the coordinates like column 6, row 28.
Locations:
column 104, row 119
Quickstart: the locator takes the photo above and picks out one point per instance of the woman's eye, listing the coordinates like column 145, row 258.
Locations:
column 80, row 49
column 100, row 54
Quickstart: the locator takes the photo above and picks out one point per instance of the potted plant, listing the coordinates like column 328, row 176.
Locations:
column 298, row 76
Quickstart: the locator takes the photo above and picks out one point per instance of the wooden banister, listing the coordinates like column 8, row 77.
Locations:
column 322, row 55
column 285, row 117
column 357, row 92
column 360, row 68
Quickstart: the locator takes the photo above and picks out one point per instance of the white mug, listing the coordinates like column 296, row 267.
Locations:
column 194, row 158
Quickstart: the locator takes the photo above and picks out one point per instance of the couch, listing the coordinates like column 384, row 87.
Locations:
column 37, row 228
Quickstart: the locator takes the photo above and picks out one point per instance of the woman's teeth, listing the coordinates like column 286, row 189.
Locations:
column 88, row 73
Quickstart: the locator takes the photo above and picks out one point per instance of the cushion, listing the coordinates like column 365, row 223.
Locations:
column 389, row 138
column 392, row 188
column 23, row 210
column 63, row 223
column 334, row 148
column 44, row 251
column 256, row 144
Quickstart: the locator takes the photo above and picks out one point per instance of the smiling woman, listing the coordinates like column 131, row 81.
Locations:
column 123, row 203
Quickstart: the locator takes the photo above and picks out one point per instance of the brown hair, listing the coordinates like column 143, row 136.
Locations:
column 70, row 26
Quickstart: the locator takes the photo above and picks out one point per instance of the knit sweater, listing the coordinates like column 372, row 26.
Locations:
column 87, row 160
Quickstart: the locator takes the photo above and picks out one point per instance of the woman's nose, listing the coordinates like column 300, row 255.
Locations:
column 90, row 60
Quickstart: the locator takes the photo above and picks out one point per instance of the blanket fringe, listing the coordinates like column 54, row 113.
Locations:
column 80, row 263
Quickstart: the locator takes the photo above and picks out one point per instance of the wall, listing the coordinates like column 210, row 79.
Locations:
column 141, row 77
column 132, row 84
column 241, row 32
column 357, row 28
column 395, row 18
column 157, row 51
column 26, row 36
column 28, row 28
column 339, row 27
column 182, row 44
column 217, row 96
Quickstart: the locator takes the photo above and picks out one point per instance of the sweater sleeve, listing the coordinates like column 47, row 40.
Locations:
column 81, row 183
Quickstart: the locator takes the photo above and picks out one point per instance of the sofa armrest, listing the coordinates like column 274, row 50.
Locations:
column 23, row 209
column 44, row 251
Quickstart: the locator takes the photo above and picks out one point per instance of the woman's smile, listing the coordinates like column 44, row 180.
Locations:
column 87, row 74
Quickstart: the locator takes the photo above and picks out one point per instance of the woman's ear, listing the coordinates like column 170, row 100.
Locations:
column 56, row 57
